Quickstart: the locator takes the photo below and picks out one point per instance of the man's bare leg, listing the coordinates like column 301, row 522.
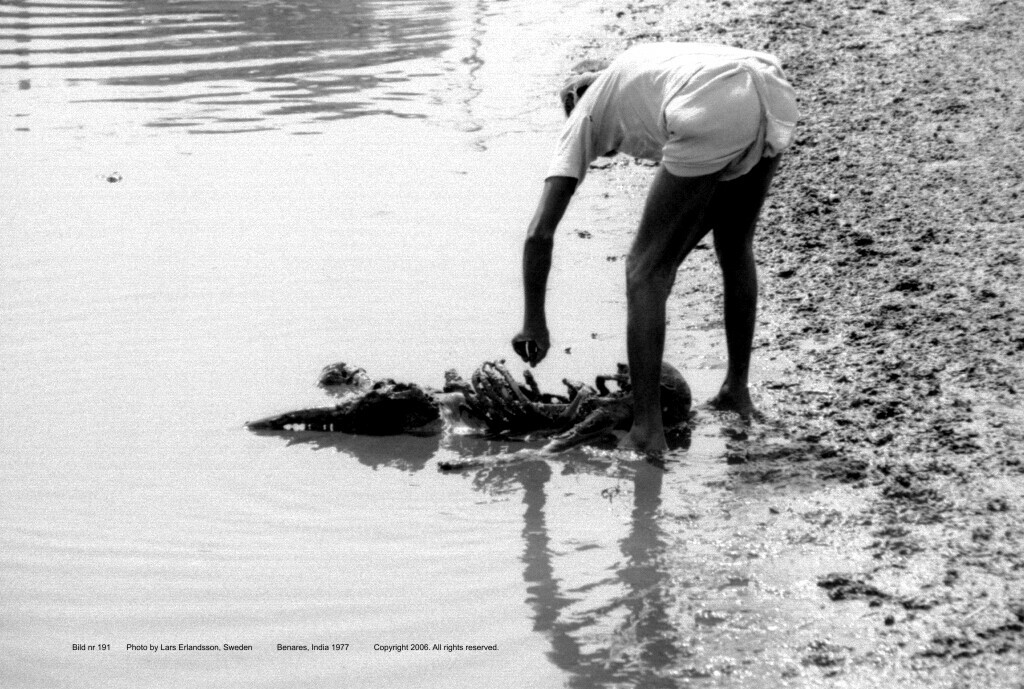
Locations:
column 669, row 229
column 733, row 215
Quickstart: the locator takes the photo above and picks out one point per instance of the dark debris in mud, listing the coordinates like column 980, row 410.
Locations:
column 825, row 655
column 1004, row 638
column 767, row 460
column 851, row 587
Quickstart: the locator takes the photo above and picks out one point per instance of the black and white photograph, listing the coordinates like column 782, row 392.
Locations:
column 585, row 344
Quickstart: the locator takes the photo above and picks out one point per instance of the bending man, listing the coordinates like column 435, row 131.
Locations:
column 717, row 118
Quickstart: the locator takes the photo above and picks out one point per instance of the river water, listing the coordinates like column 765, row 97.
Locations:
column 203, row 203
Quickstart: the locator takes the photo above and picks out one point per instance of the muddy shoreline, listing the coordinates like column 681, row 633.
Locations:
column 890, row 262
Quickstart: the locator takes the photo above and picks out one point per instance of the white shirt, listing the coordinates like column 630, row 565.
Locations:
column 697, row 108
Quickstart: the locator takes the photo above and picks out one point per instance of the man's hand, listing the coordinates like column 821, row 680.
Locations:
column 532, row 345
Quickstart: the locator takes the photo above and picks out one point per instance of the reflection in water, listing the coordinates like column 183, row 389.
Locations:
column 405, row 452
column 233, row 61
column 644, row 645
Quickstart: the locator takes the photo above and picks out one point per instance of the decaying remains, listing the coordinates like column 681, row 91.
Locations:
column 492, row 403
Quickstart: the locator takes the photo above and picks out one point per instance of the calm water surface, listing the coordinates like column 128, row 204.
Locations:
column 205, row 201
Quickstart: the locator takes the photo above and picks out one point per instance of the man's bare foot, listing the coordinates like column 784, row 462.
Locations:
column 738, row 401
column 644, row 443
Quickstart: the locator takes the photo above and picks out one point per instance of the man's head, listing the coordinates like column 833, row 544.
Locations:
column 584, row 74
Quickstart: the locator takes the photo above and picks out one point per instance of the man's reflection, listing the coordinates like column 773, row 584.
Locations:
column 644, row 644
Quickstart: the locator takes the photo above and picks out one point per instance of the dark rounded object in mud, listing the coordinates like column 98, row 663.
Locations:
column 675, row 396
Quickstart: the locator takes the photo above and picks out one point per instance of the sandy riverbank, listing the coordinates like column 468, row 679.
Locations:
column 890, row 257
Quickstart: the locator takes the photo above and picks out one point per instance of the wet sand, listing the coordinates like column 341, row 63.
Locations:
column 884, row 487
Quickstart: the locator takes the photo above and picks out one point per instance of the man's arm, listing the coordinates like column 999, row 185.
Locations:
column 532, row 342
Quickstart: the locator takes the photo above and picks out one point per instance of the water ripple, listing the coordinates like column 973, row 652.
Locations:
column 211, row 57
